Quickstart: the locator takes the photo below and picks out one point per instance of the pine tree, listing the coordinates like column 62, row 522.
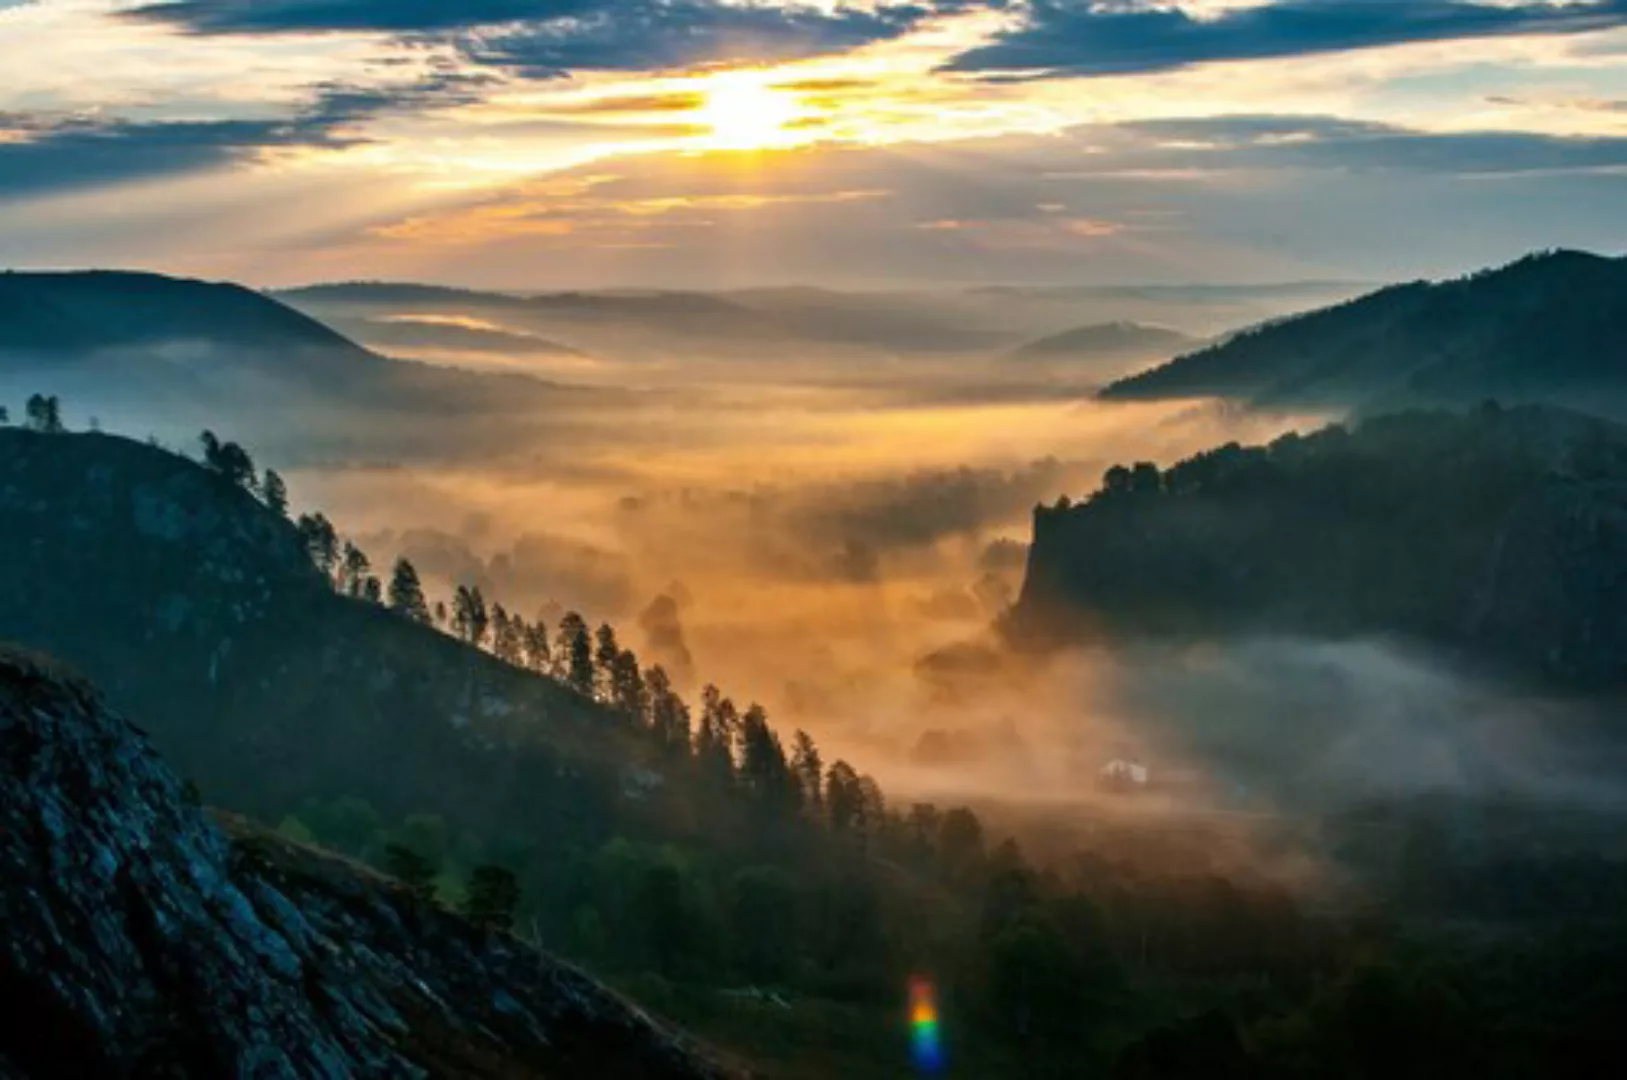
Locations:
column 406, row 592
column 492, row 896
column 5, row 416
column 508, row 636
column 605, row 654
column 808, row 770
column 354, row 569
column 576, row 652
column 321, row 542
column 627, row 691
column 535, row 642
column 470, row 619
column 275, row 493
column 373, row 590
column 669, row 716
column 714, row 743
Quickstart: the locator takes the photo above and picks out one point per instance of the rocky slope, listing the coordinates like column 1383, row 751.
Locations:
column 138, row 940
column 1499, row 536
column 1549, row 328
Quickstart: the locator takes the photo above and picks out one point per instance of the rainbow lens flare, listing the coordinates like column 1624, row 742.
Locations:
column 926, row 1048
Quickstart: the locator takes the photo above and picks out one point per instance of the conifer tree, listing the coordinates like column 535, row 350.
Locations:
column 407, row 592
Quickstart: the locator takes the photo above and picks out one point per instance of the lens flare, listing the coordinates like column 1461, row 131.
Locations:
column 926, row 1046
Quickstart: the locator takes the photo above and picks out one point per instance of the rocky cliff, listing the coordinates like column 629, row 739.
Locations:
column 138, row 939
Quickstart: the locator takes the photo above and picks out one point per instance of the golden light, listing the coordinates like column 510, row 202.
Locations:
column 745, row 112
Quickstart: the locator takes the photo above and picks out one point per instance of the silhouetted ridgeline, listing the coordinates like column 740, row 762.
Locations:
column 139, row 941
column 1549, row 328
column 1497, row 535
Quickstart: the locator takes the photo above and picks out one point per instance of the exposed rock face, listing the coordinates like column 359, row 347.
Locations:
column 136, row 939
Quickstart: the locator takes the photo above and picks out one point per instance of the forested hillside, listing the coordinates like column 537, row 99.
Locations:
column 1548, row 328
column 1498, row 536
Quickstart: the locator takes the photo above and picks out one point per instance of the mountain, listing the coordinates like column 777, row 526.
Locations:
column 1549, row 328
column 1497, row 536
column 141, row 940
column 636, row 323
column 170, row 355
column 198, row 610
column 1113, row 340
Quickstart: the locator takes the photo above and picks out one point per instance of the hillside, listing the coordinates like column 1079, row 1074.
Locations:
column 1114, row 340
column 1549, row 328
column 140, row 941
column 1496, row 536
column 149, row 352
column 197, row 609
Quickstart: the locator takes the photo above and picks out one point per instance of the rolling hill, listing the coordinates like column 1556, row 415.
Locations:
column 1549, row 328
column 171, row 355
column 1104, row 341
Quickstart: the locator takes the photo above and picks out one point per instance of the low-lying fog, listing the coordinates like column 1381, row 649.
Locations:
column 823, row 517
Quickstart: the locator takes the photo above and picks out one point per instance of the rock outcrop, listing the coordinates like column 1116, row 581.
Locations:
column 138, row 938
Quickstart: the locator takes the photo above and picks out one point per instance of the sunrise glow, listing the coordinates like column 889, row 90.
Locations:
column 745, row 112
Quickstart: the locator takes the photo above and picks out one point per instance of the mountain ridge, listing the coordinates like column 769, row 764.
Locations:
column 1547, row 327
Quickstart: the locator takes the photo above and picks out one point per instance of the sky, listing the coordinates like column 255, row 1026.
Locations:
column 540, row 144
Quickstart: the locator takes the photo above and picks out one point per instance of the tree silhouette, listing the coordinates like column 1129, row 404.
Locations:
column 407, row 592
column 44, row 414
column 576, row 652
column 808, row 770
column 321, row 542
column 274, row 492
column 470, row 619
column 627, row 691
column 229, row 460
column 535, row 643
column 508, row 636
column 605, row 653
column 844, row 801
column 354, row 569
column 669, row 716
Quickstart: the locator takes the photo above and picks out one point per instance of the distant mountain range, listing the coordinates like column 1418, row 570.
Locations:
column 1105, row 341
column 140, row 349
column 1548, row 328
column 1498, row 536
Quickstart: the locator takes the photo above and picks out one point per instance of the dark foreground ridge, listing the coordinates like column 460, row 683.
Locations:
column 140, row 940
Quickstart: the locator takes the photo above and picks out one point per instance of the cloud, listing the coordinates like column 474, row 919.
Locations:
column 1084, row 37
column 48, row 157
column 545, row 38
column 1248, row 197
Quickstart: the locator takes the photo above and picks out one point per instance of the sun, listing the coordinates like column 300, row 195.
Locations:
column 745, row 112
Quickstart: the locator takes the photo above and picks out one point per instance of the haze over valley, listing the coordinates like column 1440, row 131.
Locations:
column 813, row 539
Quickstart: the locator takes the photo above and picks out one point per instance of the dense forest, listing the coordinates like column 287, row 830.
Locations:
column 543, row 781
column 1496, row 536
